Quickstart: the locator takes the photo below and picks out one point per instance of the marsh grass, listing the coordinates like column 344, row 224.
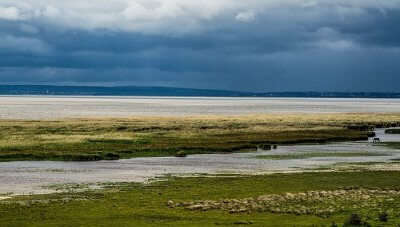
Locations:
column 133, row 204
column 98, row 138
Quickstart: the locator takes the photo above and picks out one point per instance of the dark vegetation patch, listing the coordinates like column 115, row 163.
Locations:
column 111, row 141
column 393, row 131
column 181, row 154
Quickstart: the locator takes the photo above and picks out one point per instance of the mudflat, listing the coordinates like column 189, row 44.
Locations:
column 56, row 107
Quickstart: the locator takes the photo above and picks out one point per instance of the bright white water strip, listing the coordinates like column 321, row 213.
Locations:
column 50, row 107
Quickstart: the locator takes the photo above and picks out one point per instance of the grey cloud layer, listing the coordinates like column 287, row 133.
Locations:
column 246, row 45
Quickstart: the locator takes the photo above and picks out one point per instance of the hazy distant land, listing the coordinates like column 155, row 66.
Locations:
column 174, row 91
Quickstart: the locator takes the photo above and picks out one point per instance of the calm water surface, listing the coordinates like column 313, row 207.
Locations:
column 45, row 107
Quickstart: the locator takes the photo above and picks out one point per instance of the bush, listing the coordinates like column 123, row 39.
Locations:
column 266, row 147
column 355, row 220
column 334, row 224
column 360, row 127
column 180, row 154
column 383, row 217
column 111, row 156
column 371, row 134
column 83, row 157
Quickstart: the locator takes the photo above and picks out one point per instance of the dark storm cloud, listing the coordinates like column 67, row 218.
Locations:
column 376, row 27
column 334, row 46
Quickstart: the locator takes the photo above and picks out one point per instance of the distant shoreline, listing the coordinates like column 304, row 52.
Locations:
column 59, row 107
column 149, row 97
column 51, row 90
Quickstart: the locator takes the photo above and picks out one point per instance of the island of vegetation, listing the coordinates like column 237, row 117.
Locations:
column 95, row 139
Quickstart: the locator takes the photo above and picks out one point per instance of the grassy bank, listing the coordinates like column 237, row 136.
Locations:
column 371, row 195
column 97, row 139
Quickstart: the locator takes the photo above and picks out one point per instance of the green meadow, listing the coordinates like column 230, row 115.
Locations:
column 369, row 195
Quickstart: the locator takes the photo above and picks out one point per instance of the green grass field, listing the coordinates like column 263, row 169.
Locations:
column 146, row 204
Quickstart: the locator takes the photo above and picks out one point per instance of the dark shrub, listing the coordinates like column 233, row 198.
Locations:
column 111, row 156
column 266, row 147
column 384, row 217
column 122, row 128
column 83, row 157
column 111, row 141
column 355, row 220
column 360, row 127
column 371, row 134
column 180, row 154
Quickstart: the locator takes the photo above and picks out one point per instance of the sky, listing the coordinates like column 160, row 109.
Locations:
column 251, row 45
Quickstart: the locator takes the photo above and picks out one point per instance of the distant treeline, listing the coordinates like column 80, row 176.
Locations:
column 171, row 91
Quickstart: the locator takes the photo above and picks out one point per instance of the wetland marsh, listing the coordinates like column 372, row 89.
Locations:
column 102, row 171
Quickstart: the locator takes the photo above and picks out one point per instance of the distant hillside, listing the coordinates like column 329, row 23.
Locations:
column 170, row 91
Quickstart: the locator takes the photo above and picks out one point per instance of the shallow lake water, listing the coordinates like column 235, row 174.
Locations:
column 31, row 176
column 50, row 107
